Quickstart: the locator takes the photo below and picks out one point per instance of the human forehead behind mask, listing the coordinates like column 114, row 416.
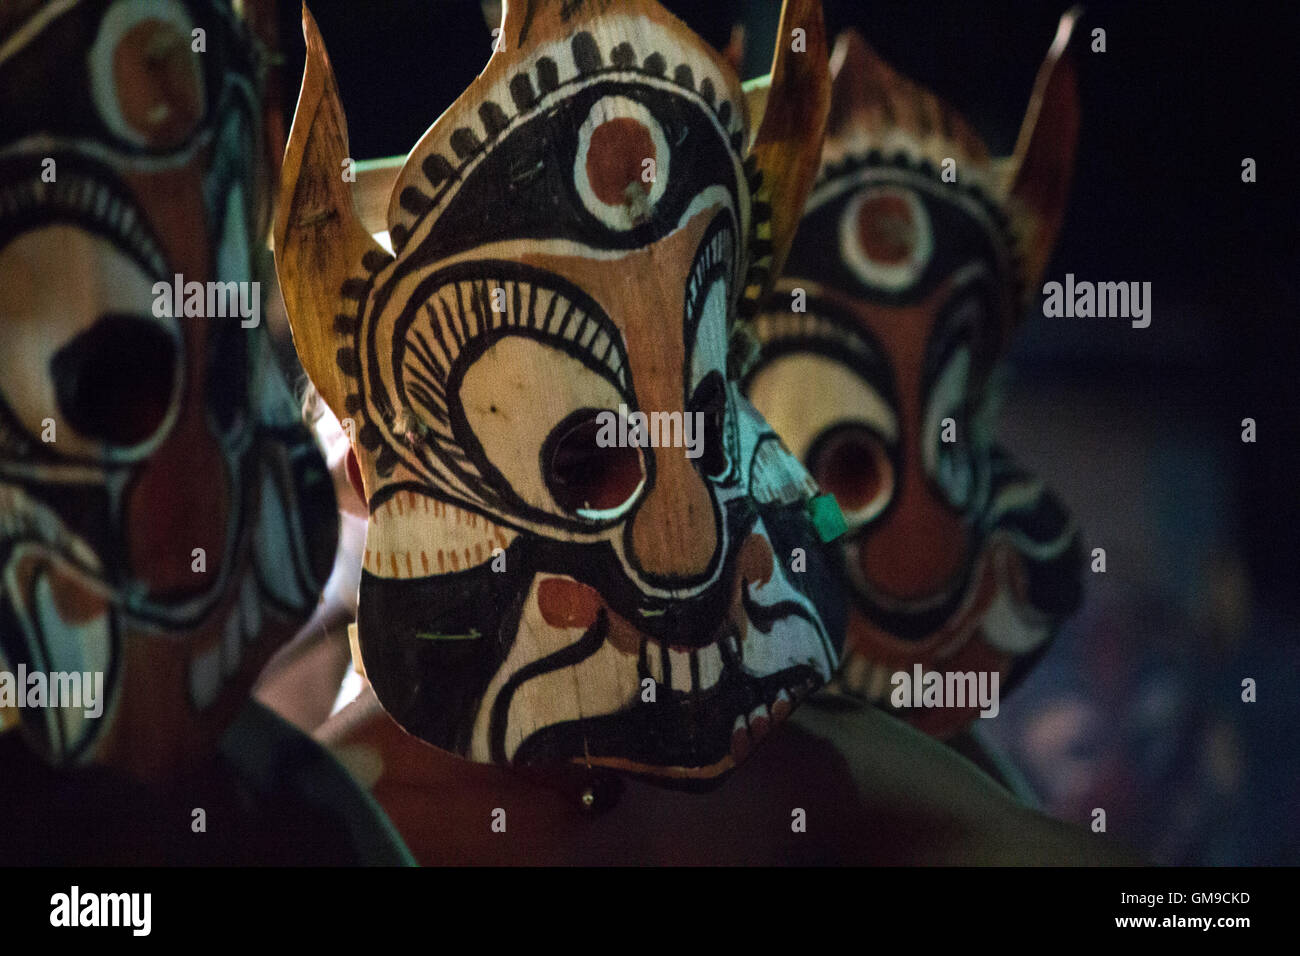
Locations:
column 584, row 546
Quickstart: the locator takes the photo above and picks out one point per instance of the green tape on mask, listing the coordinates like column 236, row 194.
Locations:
column 826, row 517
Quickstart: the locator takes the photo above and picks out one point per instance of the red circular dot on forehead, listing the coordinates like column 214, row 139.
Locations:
column 886, row 229
column 159, row 88
column 616, row 157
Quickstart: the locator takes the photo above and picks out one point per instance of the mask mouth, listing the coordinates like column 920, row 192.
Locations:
column 712, row 702
column 566, row 672
column 688, row 738
column 692, row 623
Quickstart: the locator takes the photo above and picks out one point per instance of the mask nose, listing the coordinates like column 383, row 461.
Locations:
column 673, row 537
column 179, row 501
column 920, row 548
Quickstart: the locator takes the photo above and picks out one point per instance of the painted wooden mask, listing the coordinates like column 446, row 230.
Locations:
column 165, row 517
column 573, row 235
column 900, row 292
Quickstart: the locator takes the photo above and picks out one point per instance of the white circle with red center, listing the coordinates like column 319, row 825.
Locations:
column 146, row 79
column 622, row 165
column 885, row 237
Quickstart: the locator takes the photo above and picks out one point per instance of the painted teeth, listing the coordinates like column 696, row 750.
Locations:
column 866, row 679
column 740, row 742
column 209, row 669
column 863, row 678
column 749, row 729
column 679, row 663
column 782, row 706
column 706, row 661
column 654, row 659
column 760, row 722
column 710, row 661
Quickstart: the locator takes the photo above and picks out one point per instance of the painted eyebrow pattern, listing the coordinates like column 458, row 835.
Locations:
column 823, row 329
column 457, row 321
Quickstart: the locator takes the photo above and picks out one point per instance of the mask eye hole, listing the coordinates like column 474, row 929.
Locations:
column 850, row 462
column 585, row 479
column 114, row 382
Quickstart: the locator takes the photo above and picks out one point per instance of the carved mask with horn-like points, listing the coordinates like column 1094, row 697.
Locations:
column 902, row 288
column 166, row 520
column 574, row 235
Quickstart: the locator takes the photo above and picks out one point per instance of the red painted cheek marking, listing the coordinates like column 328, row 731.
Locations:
column 75, row 604
column 618, row 150
column 566, row 603
column 755, row 562
column 753, row 566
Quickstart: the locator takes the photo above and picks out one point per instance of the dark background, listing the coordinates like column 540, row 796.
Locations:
column 1137, row 709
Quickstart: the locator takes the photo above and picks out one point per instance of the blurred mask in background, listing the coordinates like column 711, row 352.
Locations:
column 907, row 277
